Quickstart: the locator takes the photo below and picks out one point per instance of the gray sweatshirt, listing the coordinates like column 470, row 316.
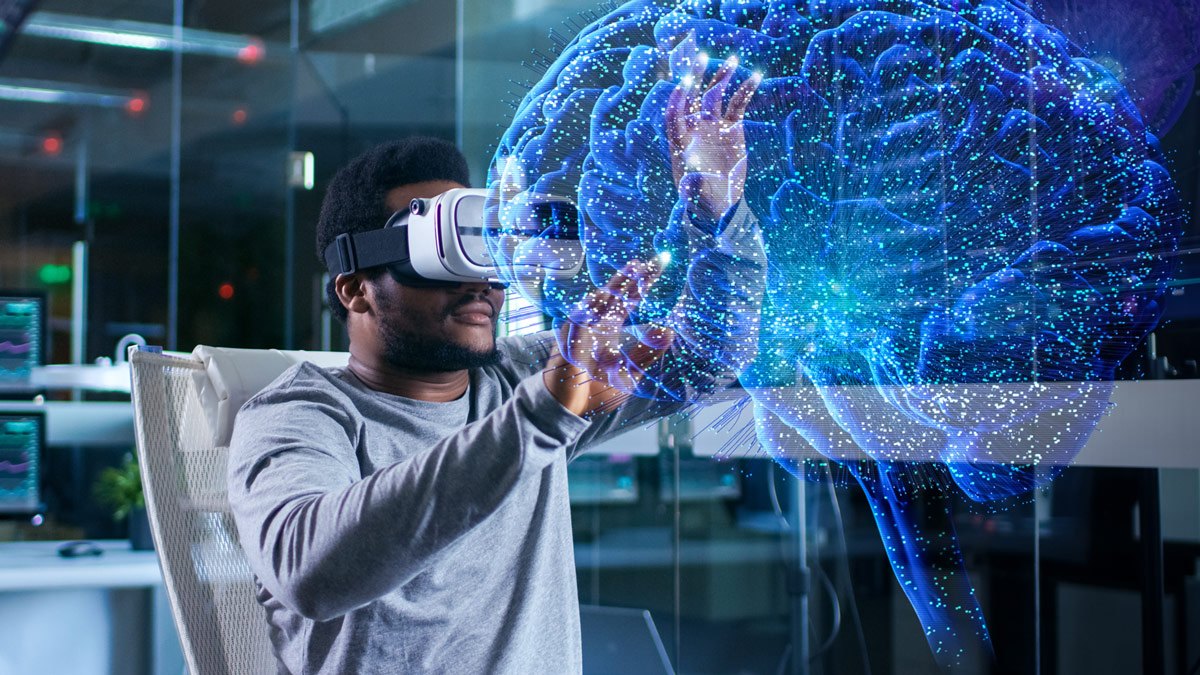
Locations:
column 390, row 535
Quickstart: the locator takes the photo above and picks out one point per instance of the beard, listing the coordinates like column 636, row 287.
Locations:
column 415, row 351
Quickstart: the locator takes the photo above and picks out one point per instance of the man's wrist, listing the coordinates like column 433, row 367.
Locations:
column 566, row 383
column 578, row 391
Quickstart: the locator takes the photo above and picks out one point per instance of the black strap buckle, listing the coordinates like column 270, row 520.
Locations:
column 346, row 258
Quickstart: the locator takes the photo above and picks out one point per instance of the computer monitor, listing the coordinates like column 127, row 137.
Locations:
column 22, row 439
column 700, row 478
column 22, row 338
column 603, row 479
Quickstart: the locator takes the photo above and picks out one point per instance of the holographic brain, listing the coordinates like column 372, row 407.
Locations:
column 1151, row 46
column 968, row 226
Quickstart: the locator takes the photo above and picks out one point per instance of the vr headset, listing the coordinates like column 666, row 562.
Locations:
column 443, row 240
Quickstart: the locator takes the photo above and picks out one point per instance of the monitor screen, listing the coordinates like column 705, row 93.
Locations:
column 700, row 478
column 20, row 461
column 602, row 479
column 22, row 327
column 12, row 15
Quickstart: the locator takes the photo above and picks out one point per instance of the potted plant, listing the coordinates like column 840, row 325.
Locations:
column 120, row 488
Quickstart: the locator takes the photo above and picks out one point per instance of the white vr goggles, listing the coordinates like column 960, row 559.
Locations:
column 443, row 240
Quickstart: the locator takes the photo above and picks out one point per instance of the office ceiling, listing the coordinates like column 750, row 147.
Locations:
column 235, row 114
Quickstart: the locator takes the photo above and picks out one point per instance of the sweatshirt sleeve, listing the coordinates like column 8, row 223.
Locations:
column 323, row 539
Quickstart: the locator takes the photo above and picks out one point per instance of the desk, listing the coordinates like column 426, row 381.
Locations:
column 89, row 424
column 99, row 615
column 36, row 565
column 1150, row 423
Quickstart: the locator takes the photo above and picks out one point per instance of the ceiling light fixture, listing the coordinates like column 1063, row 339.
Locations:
column 143, row 35
column 39, row 91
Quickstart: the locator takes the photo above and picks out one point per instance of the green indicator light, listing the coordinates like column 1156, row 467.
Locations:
column 54, row 274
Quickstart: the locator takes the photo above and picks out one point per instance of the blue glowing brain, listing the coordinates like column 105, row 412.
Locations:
column 968, row 227
column 949, row 193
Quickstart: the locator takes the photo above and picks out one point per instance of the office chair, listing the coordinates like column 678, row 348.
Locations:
column 183, row 410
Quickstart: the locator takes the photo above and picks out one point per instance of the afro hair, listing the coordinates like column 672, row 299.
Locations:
column 355, row 200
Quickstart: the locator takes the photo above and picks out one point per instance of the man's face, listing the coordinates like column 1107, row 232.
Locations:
column 444, row 328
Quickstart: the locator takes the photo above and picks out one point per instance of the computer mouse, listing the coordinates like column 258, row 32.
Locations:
column 79, row 549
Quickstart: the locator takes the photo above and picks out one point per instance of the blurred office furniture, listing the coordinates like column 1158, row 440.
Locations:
column 621, row 640
column 22, row 444
column 22, row 338
column 110, row 608
column 1100, row 538
column 1149, row 424
column 184, row 409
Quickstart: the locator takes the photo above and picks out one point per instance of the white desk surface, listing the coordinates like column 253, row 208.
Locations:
column 36, row 565
column 90, row 423
column 1151, row 423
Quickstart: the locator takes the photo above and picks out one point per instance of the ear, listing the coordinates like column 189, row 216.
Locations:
column 352, row 291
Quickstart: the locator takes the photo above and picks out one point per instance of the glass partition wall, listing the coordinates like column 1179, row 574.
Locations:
column 747, row 569
column 169, row 185
column 186, row 144
column 155, row 138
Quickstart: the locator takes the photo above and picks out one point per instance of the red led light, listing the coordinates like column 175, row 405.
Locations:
column 136, row 105
column 251, row 53
column 239, row 116
column 226, row 291
column 52, row 145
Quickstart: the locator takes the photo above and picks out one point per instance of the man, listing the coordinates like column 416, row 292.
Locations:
column 409, row 512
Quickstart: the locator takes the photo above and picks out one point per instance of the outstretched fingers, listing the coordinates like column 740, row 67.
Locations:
column 651, row 345
column 740, row 100
column 676, row 115
column 714, row 95
column 596, row 327
column 605, row 309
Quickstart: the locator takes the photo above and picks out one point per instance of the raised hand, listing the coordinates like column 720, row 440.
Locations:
column 599, row 363
column 707, row 141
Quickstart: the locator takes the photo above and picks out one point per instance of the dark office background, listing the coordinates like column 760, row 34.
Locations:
column 197, row 155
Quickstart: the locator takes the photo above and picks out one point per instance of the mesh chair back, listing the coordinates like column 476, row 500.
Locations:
column 222, row 628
